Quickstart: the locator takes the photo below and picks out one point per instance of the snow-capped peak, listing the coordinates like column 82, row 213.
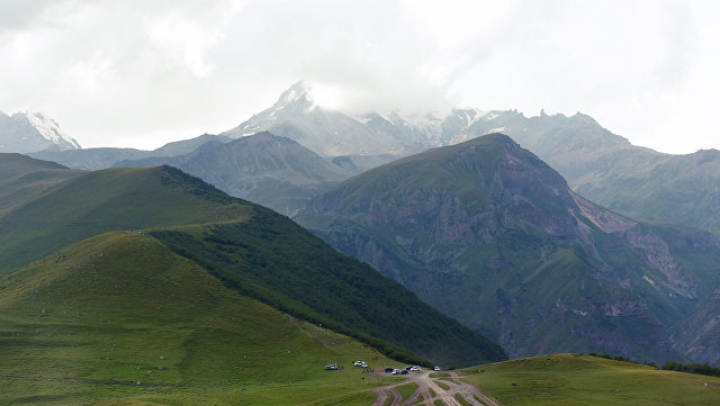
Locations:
column 50, row 130
column 300, row 91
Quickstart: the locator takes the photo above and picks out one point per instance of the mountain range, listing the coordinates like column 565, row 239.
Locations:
column 491, row 235
column 632, row 253
column 297, row 115
column 91, row 159
column 599, row 165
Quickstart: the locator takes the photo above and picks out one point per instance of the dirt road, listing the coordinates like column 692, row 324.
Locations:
column 428, row 386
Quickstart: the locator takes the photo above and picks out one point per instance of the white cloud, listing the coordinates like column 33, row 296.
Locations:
column 139, row 73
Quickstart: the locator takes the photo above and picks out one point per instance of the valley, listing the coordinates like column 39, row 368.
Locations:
column 359, row 203
column 128, row 280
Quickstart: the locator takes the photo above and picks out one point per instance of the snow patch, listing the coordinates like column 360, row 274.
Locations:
column 476, row 117
column 50, row 130
column 362, row 119
column 648, row 280
column 496, row 130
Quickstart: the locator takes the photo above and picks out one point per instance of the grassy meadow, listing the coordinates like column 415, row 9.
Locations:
column 581, row 380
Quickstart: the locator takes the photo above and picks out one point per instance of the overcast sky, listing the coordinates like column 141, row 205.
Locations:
column 141, row 73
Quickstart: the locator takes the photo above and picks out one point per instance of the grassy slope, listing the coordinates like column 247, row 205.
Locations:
column 22, row 178
column 108, row 200
column 566, row 379
column 272, row 258
column 83, row 325
column 126, row 199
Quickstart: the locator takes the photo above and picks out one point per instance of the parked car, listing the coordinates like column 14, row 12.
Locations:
column 437, row 368
column 396, row 372
column 389, row 369
column 404, row 372
column 416, row 369
column 362, row 364
column 332, row 367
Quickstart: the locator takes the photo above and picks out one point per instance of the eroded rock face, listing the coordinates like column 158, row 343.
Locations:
column 697, row 337
column 489, row 234
column 657, row 253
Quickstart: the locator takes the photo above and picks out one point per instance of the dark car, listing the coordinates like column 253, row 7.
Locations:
column 389, row 370
column 404, row 372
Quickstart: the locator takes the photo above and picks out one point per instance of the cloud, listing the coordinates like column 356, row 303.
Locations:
column 144, row 73
column 18, row 14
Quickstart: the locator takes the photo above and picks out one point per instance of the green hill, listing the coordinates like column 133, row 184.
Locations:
column 271, row 258
column 92, row 203
column 86, row 324
column 252, row 249
column 581, row 380
column 23, row 178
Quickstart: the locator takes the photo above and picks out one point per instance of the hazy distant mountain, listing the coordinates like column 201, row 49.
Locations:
column 328, row 132
column 295, row 115
column 32, row 132
column 608, row 169
column 491, row 235
column 101, row 158
column 275, row 172
column 89, row 159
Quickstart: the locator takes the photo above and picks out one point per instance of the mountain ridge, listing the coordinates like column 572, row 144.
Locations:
column 273, row 171
column 602, row 166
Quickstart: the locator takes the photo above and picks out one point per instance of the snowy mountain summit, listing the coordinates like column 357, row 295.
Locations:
column 292, row 103
column 50, row 130
column 297, row 115
column 32, row 132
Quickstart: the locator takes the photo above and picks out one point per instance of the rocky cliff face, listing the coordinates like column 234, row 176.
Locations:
column 489, row 234
column 698, row 337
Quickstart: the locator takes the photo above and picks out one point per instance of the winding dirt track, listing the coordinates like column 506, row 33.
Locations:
column 425, row 384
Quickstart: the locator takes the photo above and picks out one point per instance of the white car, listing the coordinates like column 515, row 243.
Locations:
column 437, row 368
column 416, row 369
column 362, row 364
